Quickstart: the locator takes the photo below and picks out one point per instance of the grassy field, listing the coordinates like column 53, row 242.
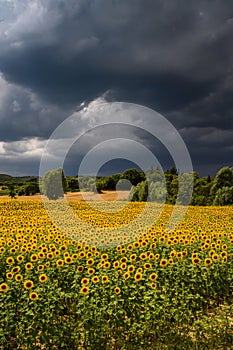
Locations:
column 159, row 291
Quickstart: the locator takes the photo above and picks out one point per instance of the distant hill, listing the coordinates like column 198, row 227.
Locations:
column 4, row 178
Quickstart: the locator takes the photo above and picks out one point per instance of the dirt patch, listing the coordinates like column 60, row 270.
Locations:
column 81, row 196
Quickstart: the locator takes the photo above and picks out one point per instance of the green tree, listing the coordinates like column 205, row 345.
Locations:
column 72, row 184
column 11, row 188
column 157, row 192
column 31, row 188
column 139, row 193
column 134, row 176
column 54, row 184
column 224, row 196
column 224, row 178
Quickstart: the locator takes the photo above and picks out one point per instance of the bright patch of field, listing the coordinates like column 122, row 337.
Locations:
column 79, row 196
column 161, row 291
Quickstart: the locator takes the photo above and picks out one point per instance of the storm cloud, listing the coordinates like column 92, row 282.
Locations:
column 175, row 57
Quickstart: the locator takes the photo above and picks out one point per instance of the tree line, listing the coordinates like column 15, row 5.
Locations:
column 152, row 185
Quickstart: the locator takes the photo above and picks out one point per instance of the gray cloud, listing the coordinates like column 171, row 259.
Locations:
column 172, row 56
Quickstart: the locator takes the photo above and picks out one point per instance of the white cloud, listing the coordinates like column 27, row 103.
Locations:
column 29, row 148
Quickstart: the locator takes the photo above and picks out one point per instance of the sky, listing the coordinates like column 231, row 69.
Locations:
column 63, row 58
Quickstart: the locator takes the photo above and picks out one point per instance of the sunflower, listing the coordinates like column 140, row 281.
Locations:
column 82, row 255
column 208, row 261
column 105, row 279
column 153, row 276
column 196, row 261
column 9, row 275
column 10, row 260
column 50, row 255
column 116, row 264
column 4, row 287
column 43, row 278
column 15, row 269
column 224, row 253
column 138, row 276
column 153, row 285
column 104, row 256
column 131, row 268
column 143, row 256
column 224, row 259
column 85, row 281
column 117, row 290
column 133, row 257
column 34, row 257
column 126, row 275
column 124, row 259
column 40, row 267
column 147, row 266
column 33, row 296
column 163, row 262
column 215, row 257
column 84, row 290
column 90, row 271
column 18, row 277
column 28, row 284
column 80, row 268
column 136, row 244
column 90, row 262
column 28, row 266
column 107, row 264
column 68, row 260
column 123, row 266
column 41, row 255
column 60, row 262
column 95, row 279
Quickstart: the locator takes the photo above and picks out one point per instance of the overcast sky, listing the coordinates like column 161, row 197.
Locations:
column 61, row 57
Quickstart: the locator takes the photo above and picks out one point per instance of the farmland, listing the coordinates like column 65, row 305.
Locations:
column 162, row 290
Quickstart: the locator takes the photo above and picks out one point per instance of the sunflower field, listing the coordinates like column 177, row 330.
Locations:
column 159, row 291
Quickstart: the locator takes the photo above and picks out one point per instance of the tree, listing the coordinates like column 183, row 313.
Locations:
column 157, row 192
column 224, row 196
column 134, row 176
column 11, row 188
column 54, row 184
column 73, row 184
column 224, row 178
column 139, row 193
column 31, row 188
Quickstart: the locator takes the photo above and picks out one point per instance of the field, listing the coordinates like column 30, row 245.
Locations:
column 78, row 196
column 161, row 290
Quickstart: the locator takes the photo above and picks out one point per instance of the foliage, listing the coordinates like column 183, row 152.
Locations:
column 54, row 184
column 139, row 193
column 224, row 196
column 72, row 184
column 224, row 178
column 157, row 192
column 134, row 176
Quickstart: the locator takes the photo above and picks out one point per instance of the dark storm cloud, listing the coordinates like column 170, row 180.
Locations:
column 173, row 56
column 163, row 53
